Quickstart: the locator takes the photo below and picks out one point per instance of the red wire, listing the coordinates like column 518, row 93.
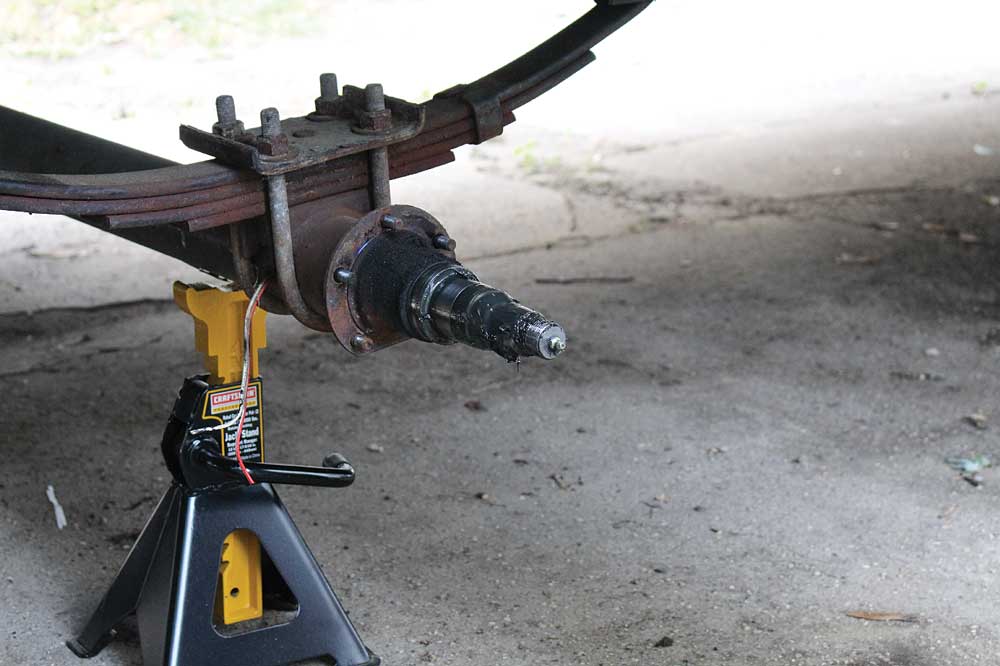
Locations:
column 239, row 456
column 251, row 309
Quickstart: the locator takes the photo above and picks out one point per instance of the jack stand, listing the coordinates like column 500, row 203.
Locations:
column 170, row 578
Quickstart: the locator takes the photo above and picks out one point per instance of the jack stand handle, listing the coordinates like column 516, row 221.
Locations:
column 336, row 472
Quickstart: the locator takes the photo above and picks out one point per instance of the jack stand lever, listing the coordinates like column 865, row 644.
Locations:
column 216, row 468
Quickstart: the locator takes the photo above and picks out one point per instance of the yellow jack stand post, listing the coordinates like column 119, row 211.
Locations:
column 218, row 332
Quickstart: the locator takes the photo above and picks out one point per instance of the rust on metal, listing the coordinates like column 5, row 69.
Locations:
column 349, row 147
column 307, row 141
column 348, row 319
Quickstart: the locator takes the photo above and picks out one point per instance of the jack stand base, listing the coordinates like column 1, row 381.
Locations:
column 169, row 581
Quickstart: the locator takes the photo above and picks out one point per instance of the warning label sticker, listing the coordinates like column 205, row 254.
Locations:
column 222, row 404
column 228, row 400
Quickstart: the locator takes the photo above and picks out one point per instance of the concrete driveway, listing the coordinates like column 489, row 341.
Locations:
column 782, row 321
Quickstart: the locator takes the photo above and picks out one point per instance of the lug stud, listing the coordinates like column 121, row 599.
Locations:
column 443, row 242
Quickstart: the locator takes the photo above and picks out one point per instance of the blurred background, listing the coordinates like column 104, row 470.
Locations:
column 696, row 92
column 129, row 68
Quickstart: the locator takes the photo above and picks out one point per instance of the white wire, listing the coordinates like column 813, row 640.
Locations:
column 245, row 378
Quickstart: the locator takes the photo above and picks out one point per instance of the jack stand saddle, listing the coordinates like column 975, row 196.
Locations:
column 169, row 577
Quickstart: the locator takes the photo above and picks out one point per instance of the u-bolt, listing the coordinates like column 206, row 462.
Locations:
column 281, row 237
column 284, row 255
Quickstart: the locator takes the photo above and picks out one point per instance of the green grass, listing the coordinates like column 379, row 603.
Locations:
column 66, row 28
column 531, row 163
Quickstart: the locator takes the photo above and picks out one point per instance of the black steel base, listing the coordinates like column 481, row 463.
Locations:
column 170, row 576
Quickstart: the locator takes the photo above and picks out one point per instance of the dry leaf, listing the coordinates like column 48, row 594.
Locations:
column 875, row 616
